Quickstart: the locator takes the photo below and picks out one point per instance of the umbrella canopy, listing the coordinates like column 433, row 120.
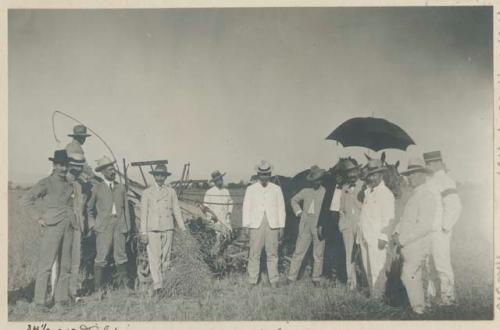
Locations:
column 374, row 133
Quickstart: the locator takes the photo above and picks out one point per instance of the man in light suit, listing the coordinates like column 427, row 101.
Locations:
column 377, row 213
column 312, row 199
column 108, row 215
column 414, row 232
column 264, row 216
column 441, row 238
column 159, row 209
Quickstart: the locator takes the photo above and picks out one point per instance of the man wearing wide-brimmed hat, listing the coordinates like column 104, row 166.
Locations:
column 441, row 238
column 79, row 136
column 160, row 211
column 311, row 199
column 414, row 231
column 264, row 216
column 218, row 205
column 377, row 212
column 56, row 224
column 349, row 211
column 109, row 217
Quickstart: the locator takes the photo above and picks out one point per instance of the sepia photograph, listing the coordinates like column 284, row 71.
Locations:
column 250, row 164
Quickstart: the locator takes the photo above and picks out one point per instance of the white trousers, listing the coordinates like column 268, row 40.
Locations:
column 414, row 257
column 374, row 260
column 159, row 249
column 442, row 261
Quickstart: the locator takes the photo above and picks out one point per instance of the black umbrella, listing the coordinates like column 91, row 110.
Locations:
column 374, row 133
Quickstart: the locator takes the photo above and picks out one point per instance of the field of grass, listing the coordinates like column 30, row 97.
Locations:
column 230, row 298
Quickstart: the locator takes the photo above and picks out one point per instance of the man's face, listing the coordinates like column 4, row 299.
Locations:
column 416, row 179
column 374, row 179
column 61, row 169
column 435, row 166
column 109, row 173
column 353, row 175
column 219, row 183
column 81, row 139
column 160, row 179
column 75, row 170
column 316, row 184
column 264, row 180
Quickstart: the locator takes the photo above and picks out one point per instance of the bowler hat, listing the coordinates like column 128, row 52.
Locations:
column 79, row 130
column 160, row 169
column 103, row 163
column 60, row 157
column 217, row 175
column 416, row 165
column 315, row 173
column 264, row 168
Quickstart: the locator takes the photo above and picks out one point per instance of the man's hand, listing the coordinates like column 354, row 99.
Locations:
column 92, row 224
column 42, row 223
column 381, row 244
column 281, row 234
column 144, row 238
column 320, row 233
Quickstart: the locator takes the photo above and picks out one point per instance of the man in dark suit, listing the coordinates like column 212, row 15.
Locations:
column 109, row 217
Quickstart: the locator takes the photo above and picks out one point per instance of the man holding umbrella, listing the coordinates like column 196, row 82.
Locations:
column 311, row 199
column 377, row 212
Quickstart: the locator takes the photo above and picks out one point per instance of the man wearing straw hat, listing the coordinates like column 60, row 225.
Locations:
column 441, row 238
column 109, row 217
column 75, row 147
column 264, row 216
column 56, row 225
column 311, row 199
column 377, row 212
column 350, row 210
column 218, row 205
column 160, row 211
column 414, row 232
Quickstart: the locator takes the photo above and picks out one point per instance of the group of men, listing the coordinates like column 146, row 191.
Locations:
column 365, row 204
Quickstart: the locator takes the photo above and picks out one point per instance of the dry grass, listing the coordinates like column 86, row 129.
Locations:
column 194, row 296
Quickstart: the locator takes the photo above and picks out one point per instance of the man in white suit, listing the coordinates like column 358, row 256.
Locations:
column 160, row 211
column 264, row 216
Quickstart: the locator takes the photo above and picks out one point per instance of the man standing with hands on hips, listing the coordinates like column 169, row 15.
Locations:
column 264, row 217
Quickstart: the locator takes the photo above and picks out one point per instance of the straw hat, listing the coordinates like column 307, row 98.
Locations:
column 103, row 163
column 76, row 159
column 416, row 165
column 264, row 168
column 315, row 173
column 374, row 166
column 432, row 156
column 217, row 175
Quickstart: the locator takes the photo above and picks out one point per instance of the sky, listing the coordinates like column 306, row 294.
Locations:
column 225, row 88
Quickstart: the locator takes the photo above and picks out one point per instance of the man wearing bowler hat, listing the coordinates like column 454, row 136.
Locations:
column 218, row 205
column 311, row 199
column 377, row 213
column 414, row 232
column 441, row 238
column 75, row 147
column 160, row 211
column 264, row 217
column 57, row 228
column 108, row 216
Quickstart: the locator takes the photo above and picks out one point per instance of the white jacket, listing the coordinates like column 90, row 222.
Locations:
column 259, row 200
column 452, row 207
column 376, row 213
